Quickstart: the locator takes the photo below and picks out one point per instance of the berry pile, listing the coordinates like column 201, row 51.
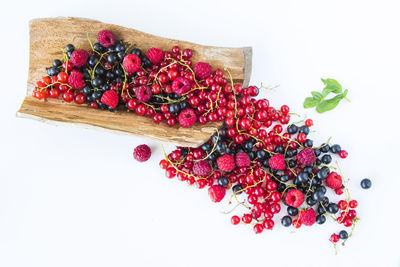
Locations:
column 164, row 85
column 272, row 162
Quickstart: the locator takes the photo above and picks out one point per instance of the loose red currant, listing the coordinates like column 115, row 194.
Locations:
column 343, row 154
column 235, row 220
column 309, row 122
column 334, row 238
column 247, row 218
column 68, row 96
column 353, row 204
column 164, row 164
column 258, row 228
column 342, row 204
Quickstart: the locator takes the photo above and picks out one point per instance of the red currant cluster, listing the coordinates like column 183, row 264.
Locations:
column 273, row 162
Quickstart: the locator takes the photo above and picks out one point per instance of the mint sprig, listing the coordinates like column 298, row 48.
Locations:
column 318, row 99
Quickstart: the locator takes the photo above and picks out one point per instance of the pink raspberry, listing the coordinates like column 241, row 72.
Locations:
column 306, row 156
column 226, row 163
column 216, row 193
column 131, row 63
column 143, row 93
column 181, row 85
column 277, row 162
column 106, row 38
column 242, row 160
column 79, row 57
column 334, row 180
column 142, row 153
column 187, row 118
column 202, row 70
column 155, row 55
column 75, row 79
column 201, row 168
column 308, row 217
column 294, row 198
column 110, row 98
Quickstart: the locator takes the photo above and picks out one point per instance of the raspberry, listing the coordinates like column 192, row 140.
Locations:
column 216, row 193
column 187, row 118
column 202, row 70
column 106, row 38
column 141, row 153
column 75, row 79
column 294, row 198
column 201, row 168
column 306, row 156
column 143, row 93
column 226, row 163
column 308, row 217
column 242, row 160
column 277, row 162
column 110, row 98
column 155, row 55
column 334, row 180
column 79, row 57
column 181, row 85
column 131, row 63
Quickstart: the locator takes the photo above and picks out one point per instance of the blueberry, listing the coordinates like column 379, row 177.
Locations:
column 96, row 95
column 366, row 183
column 248, row 146
column 318, row 162
column 308, row 143
column 223, row 181
column 105, row 87
column 343, row 234
column 310, row 201
column 206, row 146
column 70, row 48
column 97, row 82
column 53, row 71
column 292, row 211
column 325, row 148
column 119, row 72
column 92, row 61
column 292, row 129
column 220, row 147
column 308, row 169
column 292, row 163
column 322, row 173
column 289, row 153
column 320, row 219
column 325, row 201
column 279, row 149
column 280, row 187
column 146, row 62
column 332, row 208
column 183, row 105
column 98, row 47
column 261, row 154
column 87, row 90
column 284, row 178
column 317, row 195
column 317, row 152
column 137, row 52
column 99, row 71
column 321, row 188
column 174, row 108
column 237, row 189
column 110, row 75
column 321, row 210
column 335, row 149
column 57, row 63
column 302, row 177
column 112, row 58
column 326, row 159
column 265, row 163
column 252, row 155
column 286, row 221
column 304, row 129
column 102, row 106
column 120, row 47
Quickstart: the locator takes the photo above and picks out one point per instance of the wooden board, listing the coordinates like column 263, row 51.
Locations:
column 49, row 35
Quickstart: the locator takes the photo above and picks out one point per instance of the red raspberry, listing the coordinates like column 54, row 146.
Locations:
column 202, row 70
column 242, row 160
column 306, row 156
column 79, row 57
column 131, row 63
column 308, row 217
column 143, row 93
column 106, row 38
column 110, row 98
column 277, row 162
column 187, row 118
column 181, row 85
column 201, row 168
column 334, row 180
column 226, row 163
column 294, row 198
column 141, row 153
column 75, row 79
column 216, row 193
column 155, row 55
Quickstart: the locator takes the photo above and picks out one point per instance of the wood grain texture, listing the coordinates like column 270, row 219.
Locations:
column 49, row 35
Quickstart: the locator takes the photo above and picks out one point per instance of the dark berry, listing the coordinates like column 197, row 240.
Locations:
column 137, row 52
column 317, row 152
column 261, row 154
column 92, row 61
column 317, row 195
column 279, row 150
column 310, row 201
column 332, row 208
column 325, row 148
column 321, row 219
column 120, row 47
column 321, row 209
column 366, row 183
column 343, row 234
column 326, row 159
column 292, row 211
column 206, row 146
column 237, row 189
column 97, row 82
column 223, row 181
column 335, row 149
column 286, row 221
column 292, row 163
column 322, row 173
column 284, row 178
column 292, row 129
column 53, row 71
column 98, row 47
column 57, row 63
column 112, row 58
column 308, row 143
column 304, row 129
column 70, row 48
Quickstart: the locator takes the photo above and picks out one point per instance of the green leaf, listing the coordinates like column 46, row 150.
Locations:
column 311, row 102
column 317, row 95
column 330, row 104
column 331, row 85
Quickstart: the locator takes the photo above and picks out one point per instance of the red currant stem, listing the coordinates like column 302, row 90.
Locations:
column 269, row 88
column 287, row 138
column 333, row 218
column 273, row 176
column 237, row 205
column 129, row 48
column 296, row 114
column 351, row 231
column 327, row 142
column 334, row 246
column 90, row 43
column 309, row 188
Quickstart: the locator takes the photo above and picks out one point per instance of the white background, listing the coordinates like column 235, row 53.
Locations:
column 76, row 197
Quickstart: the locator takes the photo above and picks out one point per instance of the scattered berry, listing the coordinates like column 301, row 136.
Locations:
column 187, row 118
column 181, row 85
column 106, row 38
column 202, row 70
column 75, row 80
column 79, row 57
column 277, row 162
column 143, row 93
column 131, row 63
column 334, row 180
column 110, row 98
column 366, row 183
column 226, row 163
column 201, row 168
column 306, row 156
column 242, row 160
column 142, row 153
column 155, row 55
column 216, row 193
column 294, row 198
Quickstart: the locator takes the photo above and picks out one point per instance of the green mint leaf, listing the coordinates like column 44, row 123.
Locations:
column 317, row 95
column 330, row 104
column 331, row 85
column 311, row 102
